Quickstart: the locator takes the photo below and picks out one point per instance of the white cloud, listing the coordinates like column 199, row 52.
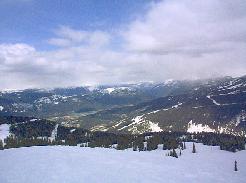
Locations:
column 67, row 37
column 189, row 27
column 174, row 39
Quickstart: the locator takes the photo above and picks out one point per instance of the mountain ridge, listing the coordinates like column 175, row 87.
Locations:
column 216, row 105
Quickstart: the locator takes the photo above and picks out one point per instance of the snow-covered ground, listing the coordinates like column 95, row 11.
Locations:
column 60, row 164
column 214, row 101
column 195, row 128
column 54, row 133
column 4, row 131
column 1, row 108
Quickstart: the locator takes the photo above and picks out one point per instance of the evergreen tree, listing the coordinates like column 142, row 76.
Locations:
column 194, row 148
column 235, row 166
column 184, row 146
column 134, row 147
column 171, row 153
column 1, row 145
column 175, row 154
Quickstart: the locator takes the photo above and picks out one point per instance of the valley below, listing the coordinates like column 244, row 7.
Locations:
column 213, row 105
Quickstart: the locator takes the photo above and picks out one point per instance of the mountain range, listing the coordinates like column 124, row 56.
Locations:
column 215, row 105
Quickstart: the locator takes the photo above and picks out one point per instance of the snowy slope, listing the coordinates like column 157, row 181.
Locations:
column 4, row 131
column 59, row 164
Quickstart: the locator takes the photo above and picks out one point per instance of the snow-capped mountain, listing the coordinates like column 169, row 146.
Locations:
column 213, row 105
column 217, row 106
column 61, row 101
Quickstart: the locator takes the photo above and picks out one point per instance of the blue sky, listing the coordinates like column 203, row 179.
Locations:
column 33, row 21
column 59, row 43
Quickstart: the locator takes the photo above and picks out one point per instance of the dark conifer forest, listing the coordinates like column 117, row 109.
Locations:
column 39, row 133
